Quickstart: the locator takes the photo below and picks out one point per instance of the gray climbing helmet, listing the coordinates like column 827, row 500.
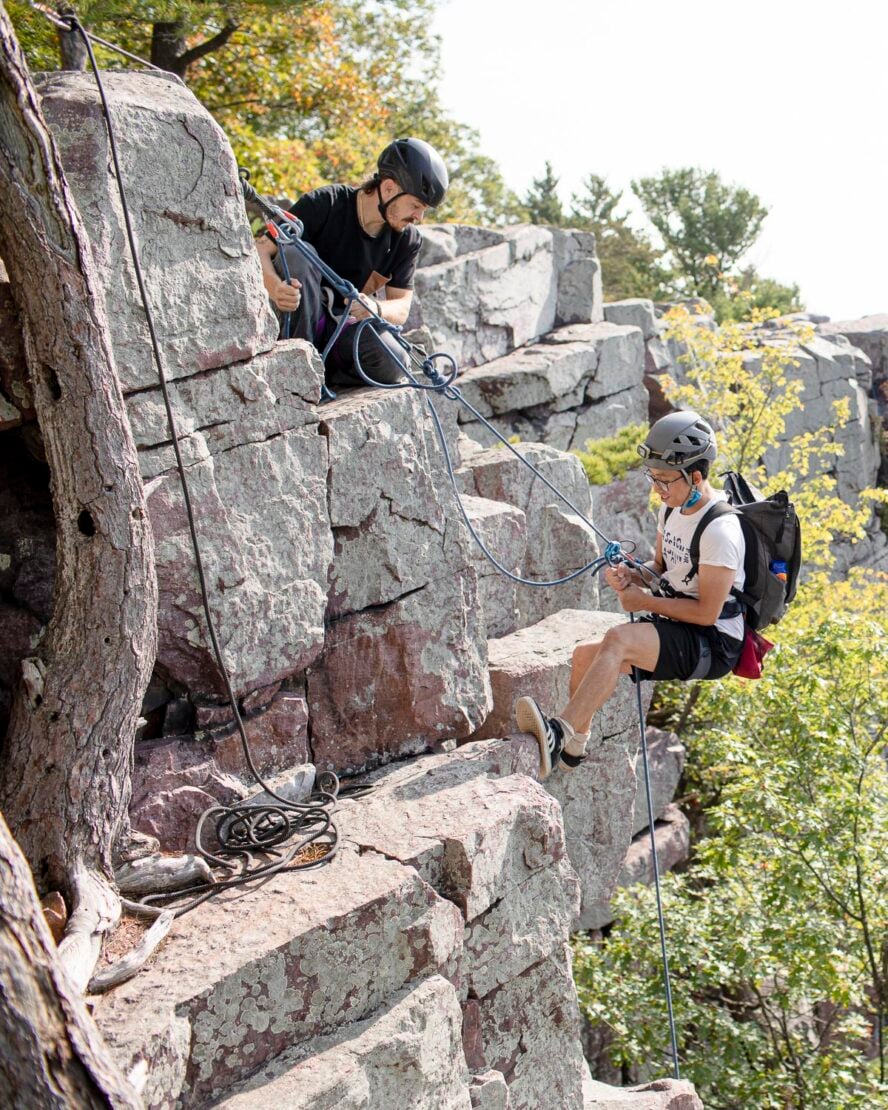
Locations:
column 417, row 167
column 679, row 439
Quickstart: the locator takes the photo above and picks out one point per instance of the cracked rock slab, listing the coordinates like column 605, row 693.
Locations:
column 407, row 1055
column 245, row 976
column 473, row 838
column 530, row 1029
column 200, row 267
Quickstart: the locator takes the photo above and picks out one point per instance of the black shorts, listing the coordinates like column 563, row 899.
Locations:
column 689, row 651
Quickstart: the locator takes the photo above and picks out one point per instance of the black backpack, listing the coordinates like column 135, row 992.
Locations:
column 772, row 534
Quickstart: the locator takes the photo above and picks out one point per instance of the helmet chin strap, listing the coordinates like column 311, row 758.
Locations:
column 382, row 205
column 695, row 494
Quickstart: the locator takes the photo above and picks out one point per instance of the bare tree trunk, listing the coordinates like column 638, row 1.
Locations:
column 65, row 769
column 170, row 50
column 51, row 1053
column 72, row 48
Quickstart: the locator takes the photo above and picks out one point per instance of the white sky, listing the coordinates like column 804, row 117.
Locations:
column 788, row 99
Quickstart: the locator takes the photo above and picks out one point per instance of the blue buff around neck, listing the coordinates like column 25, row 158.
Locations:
column 692, row 500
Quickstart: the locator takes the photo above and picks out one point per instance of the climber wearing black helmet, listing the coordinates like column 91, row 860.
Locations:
column 695, row 626
column 368, row 235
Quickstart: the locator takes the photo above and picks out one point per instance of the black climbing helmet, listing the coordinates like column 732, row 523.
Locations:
column 679, row 439
column 417, row 167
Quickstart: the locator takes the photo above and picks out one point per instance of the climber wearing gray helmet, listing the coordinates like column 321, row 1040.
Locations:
column 367, row 234
column 693, row 627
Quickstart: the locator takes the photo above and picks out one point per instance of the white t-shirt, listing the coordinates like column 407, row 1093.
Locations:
column 721, row 545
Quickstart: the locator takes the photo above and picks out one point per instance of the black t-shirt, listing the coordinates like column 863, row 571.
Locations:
column 330, row 218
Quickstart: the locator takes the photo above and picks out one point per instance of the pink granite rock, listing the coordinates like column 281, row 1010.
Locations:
column 199, row 263
column 239, row 980
column 474, row 839
column 404, row 662
column 531, row 1033
column 408, row 1054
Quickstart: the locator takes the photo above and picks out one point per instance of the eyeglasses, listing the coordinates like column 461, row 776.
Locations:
column 662, row 483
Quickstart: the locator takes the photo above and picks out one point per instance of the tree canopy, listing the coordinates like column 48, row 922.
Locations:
column 308, row 92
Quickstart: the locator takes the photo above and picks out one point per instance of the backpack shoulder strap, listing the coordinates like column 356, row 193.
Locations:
column 715, row 510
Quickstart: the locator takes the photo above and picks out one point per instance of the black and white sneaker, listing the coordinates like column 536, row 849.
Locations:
column 547, row 730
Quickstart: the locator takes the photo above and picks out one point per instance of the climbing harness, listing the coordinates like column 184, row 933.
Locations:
column 256, row 841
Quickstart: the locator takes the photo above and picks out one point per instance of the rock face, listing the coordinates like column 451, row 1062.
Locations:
column 428, row 963
column 578, row 383
column 870, row 335
column 188, row 216
column 258, row 478
column 431, row 950
column 559, row 541
column 408, row 1055
column 482, row 293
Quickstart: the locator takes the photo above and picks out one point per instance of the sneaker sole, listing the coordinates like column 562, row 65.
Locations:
column 529, row 719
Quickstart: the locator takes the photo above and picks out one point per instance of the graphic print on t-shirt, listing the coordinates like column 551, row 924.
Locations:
column 721, row 545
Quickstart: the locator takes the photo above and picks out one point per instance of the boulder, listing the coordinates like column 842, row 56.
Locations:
column 559, row 539
column 560, row 543
column 672, row 834
column 474, row 838
column 666, row 759
column 404, row 660
column 407, row 1055
column 530, row 1028
column 661, row 1094
column 394, row 681
column 200, row 267
column 580, row 382
column 869, row 335
column 579, row 277
column 238, row 981
column 503, row 530
column 485, row 303
column 637, row 312
column 620, row 349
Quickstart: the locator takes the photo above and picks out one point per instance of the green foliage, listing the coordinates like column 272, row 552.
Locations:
column 541, row 203
column 307, row 92
column 630, row 264
column 748, row 291
column 706, row 225
column 778, row 930
column 778, row 933
column 749, row 386
column 605, row 460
